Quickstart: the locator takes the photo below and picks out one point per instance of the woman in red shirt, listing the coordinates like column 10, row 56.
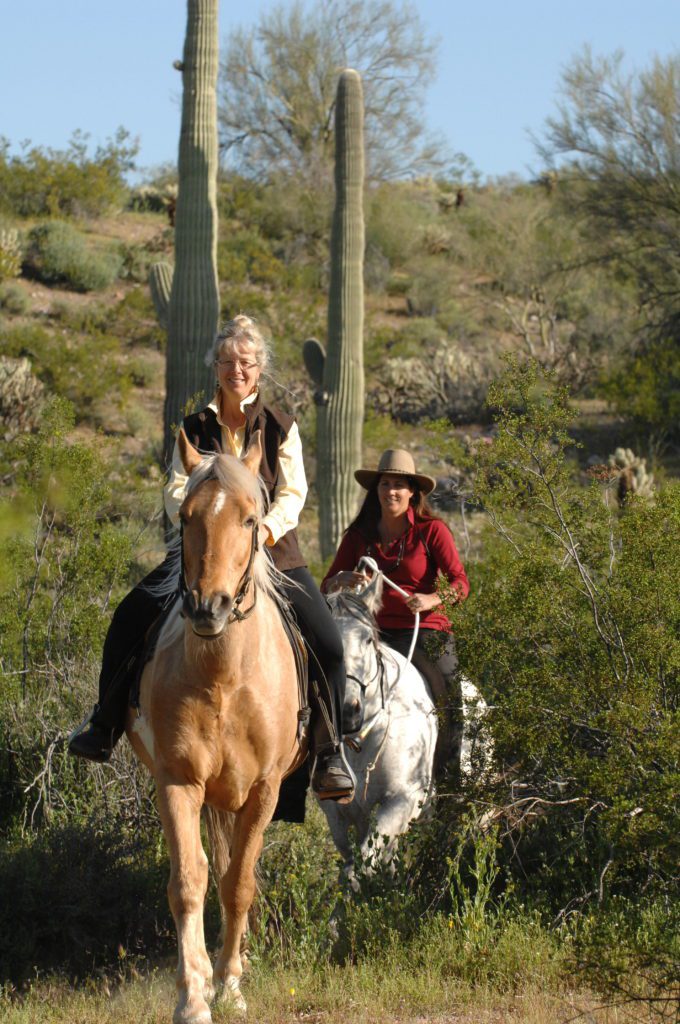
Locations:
column 412, row 546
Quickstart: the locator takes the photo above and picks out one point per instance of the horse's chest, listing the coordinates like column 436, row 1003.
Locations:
column 211, row 743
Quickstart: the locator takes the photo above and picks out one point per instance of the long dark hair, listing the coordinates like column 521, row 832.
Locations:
column 367, row 519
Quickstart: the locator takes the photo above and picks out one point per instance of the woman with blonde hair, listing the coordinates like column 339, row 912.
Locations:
column 240, row 356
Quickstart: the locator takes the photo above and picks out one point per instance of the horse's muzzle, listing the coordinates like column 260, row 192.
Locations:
column 208, row 615
column 352, row 716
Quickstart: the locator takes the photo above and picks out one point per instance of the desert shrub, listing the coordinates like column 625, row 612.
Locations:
column 58, row 254
column 62, row 569
column 244, row 255
column 133, row 320
column 81, row 370
column 572, row 632
column 13, row 298
column 431, row 286
column 84, row 896
column 396, row 216
column 644, row 387
column 49, row 183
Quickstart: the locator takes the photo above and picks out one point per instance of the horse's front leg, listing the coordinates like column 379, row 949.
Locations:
column 390, row 821
column 180, row 807
column 237, row 886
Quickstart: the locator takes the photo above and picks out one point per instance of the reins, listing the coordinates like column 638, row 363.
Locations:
column 371, row 564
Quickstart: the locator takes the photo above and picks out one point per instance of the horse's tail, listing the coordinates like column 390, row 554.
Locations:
column 220, row 828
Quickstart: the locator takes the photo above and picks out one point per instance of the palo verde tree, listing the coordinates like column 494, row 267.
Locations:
column 619, row 133
column 187, row 301
column 278, row 88
column 339, row 375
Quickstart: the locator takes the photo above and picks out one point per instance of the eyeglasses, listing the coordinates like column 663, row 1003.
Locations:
column 231, row 364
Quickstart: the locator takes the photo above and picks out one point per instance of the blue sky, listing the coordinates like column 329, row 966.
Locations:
column 84, row 64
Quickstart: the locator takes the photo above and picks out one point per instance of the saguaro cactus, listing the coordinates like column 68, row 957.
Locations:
column 190, row 306
column 339, row 373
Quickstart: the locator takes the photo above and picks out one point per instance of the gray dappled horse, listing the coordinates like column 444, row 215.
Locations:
column 392, row 730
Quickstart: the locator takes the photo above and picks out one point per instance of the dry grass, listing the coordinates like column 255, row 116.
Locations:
column 353, row 995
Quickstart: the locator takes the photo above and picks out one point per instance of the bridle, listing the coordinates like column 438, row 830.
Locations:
column 355, row 740
column 235, row 615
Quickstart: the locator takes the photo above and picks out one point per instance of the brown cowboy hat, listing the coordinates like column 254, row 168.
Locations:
column 400, row 463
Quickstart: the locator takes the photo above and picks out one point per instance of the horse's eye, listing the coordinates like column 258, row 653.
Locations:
column 250, row 522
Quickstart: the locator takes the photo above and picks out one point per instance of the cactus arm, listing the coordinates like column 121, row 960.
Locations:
column 160, row 286
column 314, row 357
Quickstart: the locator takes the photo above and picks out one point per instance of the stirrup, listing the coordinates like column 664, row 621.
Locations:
column 341, row 795
column 85, row 722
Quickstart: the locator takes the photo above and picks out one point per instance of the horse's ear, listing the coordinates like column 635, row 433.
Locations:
column 188, row 454
column 253, row 456
column 372, row 593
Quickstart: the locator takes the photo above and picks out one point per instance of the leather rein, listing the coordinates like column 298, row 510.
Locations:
column 235, row 615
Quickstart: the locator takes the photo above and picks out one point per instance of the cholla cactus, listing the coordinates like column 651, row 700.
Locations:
column 21, row 398
column 10, row 253
column 633, row 477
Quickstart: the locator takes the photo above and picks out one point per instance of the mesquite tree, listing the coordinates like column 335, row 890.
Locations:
column 339, row 374
column 187, row 301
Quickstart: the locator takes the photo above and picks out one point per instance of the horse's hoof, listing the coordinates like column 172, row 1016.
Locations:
column 231, row 993
column 184, row 1015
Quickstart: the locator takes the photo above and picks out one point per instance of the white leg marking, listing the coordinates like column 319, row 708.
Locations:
column 232, row 993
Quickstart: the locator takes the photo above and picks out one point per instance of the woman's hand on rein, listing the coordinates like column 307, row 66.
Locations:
column 423, row 602
column 344, row 579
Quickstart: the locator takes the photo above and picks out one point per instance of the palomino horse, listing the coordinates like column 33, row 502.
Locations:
column 217, row 723
column 391, row 746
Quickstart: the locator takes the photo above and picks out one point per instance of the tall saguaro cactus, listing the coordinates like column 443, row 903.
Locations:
column 339, row 373
column 188, row 299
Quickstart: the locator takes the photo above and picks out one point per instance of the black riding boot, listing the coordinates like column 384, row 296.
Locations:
column 96, row 737
column 332, row 778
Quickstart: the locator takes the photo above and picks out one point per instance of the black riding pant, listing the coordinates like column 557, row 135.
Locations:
column 326, row 659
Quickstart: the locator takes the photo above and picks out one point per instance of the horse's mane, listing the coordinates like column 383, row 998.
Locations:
column 234, row 478
column 360, row 605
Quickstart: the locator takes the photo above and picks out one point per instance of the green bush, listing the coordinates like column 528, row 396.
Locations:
column 13, row 298
column 572, row 630
column 84, row 897
column 51, row 183
column 58, row 254
column 62, row 569
column 81, row 370
column 645, row 387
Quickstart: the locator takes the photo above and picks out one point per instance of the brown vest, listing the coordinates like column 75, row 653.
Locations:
column 205, row 434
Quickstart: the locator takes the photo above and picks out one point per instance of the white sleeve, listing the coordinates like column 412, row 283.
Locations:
column 291, row 490
column 173, row 492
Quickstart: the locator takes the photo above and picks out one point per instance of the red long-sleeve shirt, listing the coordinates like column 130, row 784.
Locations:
column 413, row 561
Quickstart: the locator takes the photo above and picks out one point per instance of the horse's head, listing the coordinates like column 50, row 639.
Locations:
column 354, row 611
column 220, row 517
